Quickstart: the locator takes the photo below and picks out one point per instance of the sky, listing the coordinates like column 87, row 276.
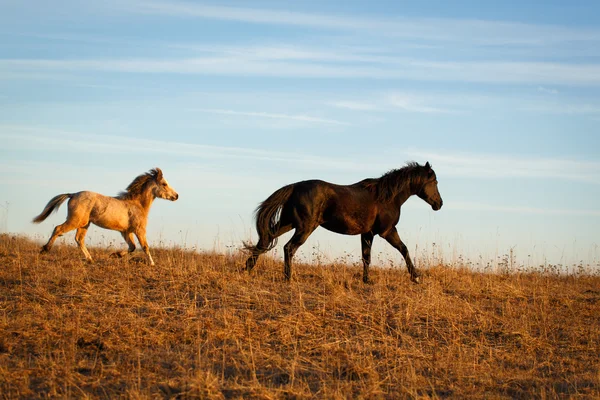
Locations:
column 234, row 99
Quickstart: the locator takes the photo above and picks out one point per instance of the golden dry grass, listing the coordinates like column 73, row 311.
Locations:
column 195, row 327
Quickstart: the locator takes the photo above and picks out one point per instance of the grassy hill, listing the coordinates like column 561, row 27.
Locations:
column 195, row 326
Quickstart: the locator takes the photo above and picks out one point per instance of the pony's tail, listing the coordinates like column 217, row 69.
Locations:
column 52, row 206
column 268, row 218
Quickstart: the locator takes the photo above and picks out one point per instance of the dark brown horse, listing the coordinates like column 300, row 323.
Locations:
column 369, row 207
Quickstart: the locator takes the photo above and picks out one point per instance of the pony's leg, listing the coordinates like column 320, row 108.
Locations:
column 394, row 239
column 297, row 240
column 59, row 230
column 80, row 239
column 262, row 246
column 366, row 240
column 141, row 235
column 128, row 236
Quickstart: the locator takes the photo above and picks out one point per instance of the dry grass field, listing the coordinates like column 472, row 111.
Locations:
column 195, row 327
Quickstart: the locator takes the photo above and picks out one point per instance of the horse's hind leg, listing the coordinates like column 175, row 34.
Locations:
column 366, row 240
column 128, row 236
column 80, row 239
column 290, row 248
column 59, row 230
column 262, row 247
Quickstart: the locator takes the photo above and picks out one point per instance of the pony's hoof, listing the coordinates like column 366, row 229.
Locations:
column 368, row 281
column 116, row 254
column 416, row 279
column 43, row 250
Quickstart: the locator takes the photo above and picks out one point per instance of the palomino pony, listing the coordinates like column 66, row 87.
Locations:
column 126, row 213
column 369, row 207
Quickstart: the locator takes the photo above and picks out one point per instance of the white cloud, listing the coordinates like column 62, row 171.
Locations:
column 498, row 166
column 407, row 69
column 439, row 29
column 542, row 89
column 354, row 105
column 31, row 138
column 472, row 206
column 564, row 108
column 472, row 165
column 301, row 118
column 412, row 103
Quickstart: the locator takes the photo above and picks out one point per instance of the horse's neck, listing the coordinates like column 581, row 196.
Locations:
column 402, row 196
column 145, row 200
column 405, row 193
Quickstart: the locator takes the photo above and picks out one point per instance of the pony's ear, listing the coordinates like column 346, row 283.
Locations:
column 427, row 165
column 159, row 174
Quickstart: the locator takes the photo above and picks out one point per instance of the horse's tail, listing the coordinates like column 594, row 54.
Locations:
column 268, row 218
column 52, row 206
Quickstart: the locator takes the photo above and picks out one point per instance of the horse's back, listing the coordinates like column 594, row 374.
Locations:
column 347, row 209
column 318, row 190
column 89, row 199
column 104, row 211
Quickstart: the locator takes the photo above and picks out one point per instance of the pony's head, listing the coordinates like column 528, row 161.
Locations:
column 161, row 188
column 429, row 191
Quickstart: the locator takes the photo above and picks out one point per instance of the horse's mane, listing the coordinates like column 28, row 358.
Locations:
column 138, row 185
column 395, row 181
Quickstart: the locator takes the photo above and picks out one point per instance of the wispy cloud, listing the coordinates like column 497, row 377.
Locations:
column 499, row 166
column 31, row 138
column 491, row 72
column 564, row 108
column 438, row 29
column 301, row 118
column 546, row 90
column 354, row 105
column 416, row 104
column 488, row 166
column 472, row 206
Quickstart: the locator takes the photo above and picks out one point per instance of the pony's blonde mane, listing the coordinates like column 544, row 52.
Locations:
column 138, row 185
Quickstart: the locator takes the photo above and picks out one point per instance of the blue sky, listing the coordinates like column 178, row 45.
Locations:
column 235, row 99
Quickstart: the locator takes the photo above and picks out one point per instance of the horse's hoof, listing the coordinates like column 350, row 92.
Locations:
column 116, row 254
column 43, row 250
column 416, row 279
column 368, row 281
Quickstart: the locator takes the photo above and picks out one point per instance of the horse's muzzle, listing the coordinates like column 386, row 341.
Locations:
column 437, row 206
column 175, row 197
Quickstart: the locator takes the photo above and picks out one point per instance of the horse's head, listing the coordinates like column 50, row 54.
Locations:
column 429, row 191
column 162, row 188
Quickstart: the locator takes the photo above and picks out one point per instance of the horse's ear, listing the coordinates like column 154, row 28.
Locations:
column 159, row 174
column 429, row 169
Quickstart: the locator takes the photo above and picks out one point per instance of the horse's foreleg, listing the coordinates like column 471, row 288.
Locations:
column 292, row 246
column 144, row 243
column 366, row 240
column 394, row 239
column 80, row 239
column 59, row 230
column 128, row 236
